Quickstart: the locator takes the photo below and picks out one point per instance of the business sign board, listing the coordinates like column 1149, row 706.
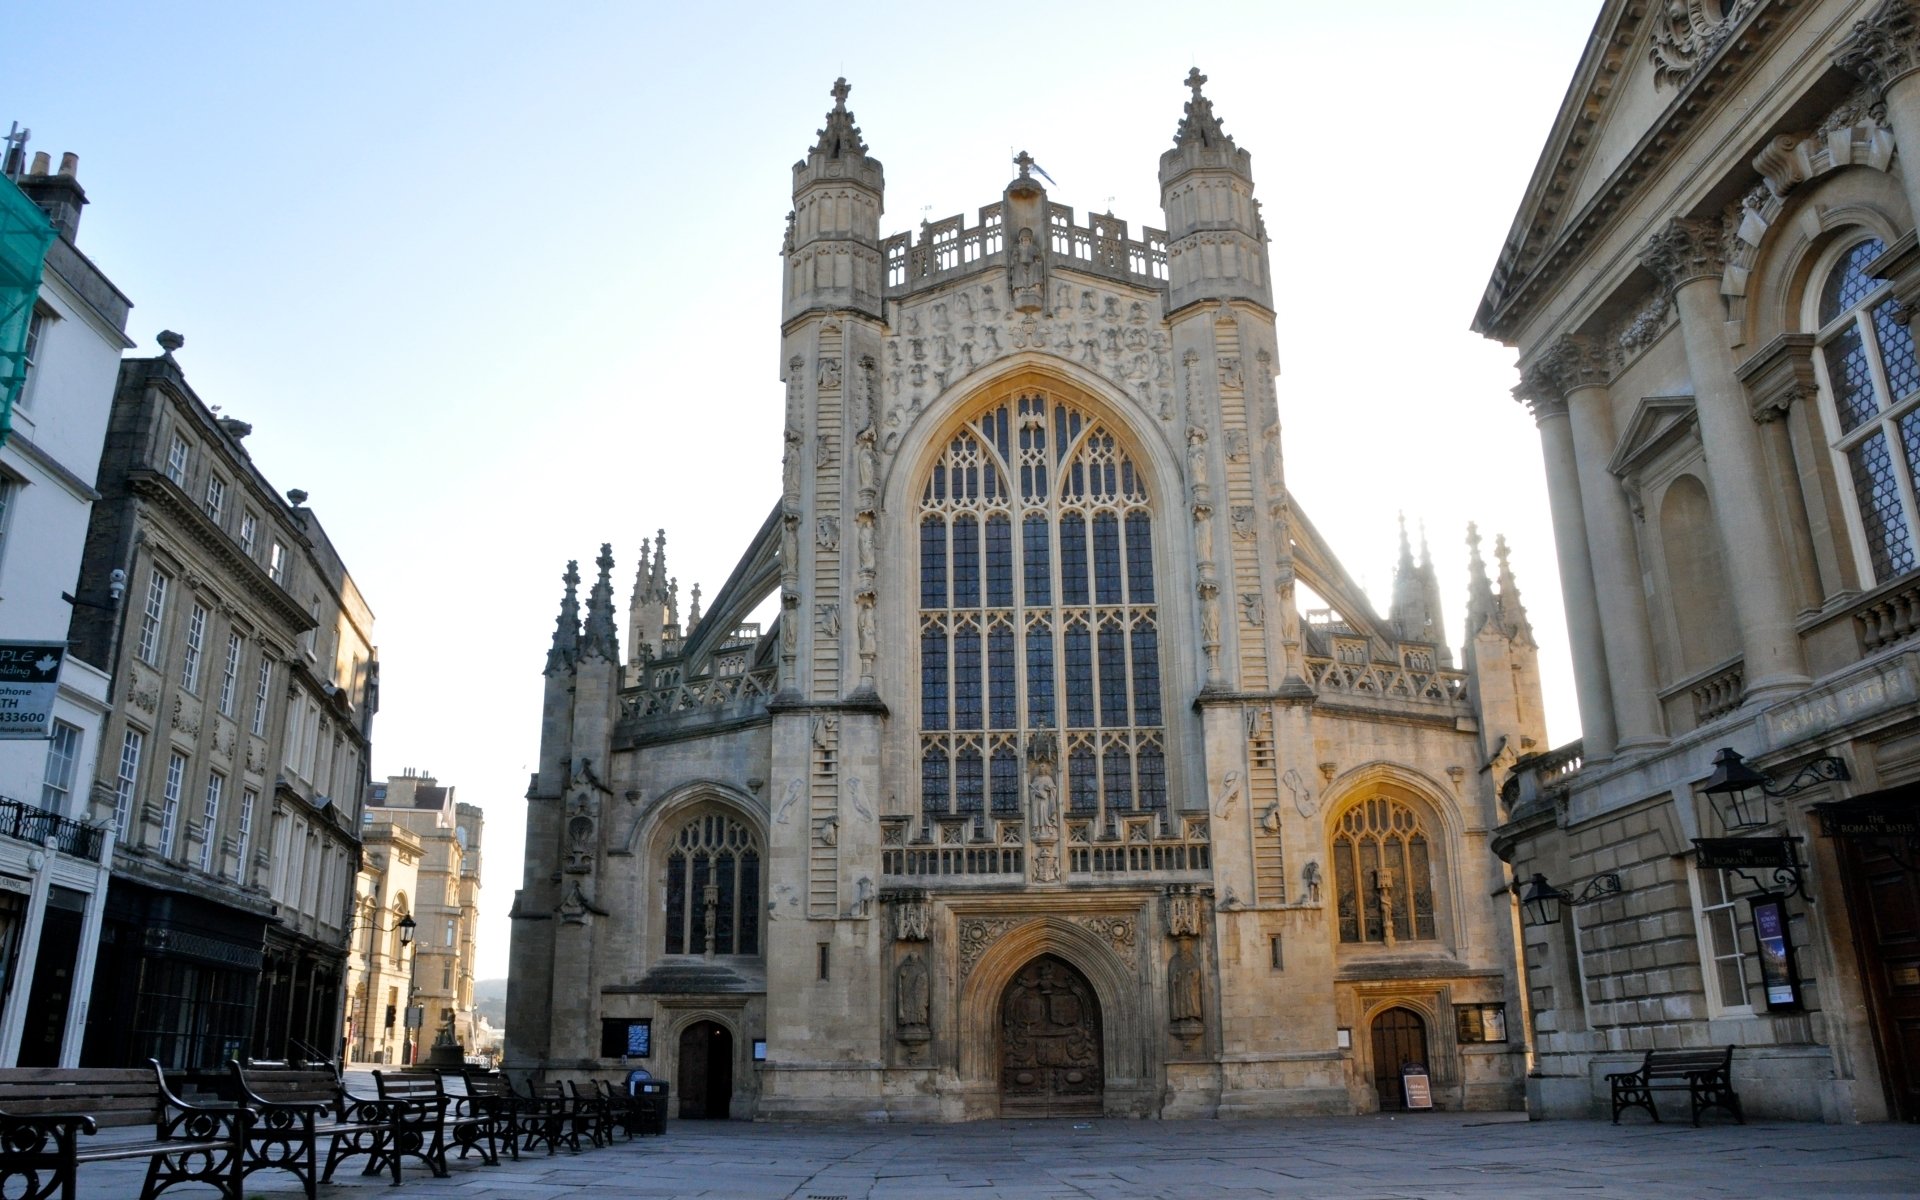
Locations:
column 29, row 682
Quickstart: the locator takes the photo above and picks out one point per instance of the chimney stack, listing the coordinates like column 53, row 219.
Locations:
column 59, row 196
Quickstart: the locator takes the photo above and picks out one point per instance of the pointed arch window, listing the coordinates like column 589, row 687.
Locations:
column 1872, row 392
column 1383, row 872
column 713, row 888
column 1037, row 612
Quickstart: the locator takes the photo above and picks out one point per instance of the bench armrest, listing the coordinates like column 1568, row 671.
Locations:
column 43, row 1124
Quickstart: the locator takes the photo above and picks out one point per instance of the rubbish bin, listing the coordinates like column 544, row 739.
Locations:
column 651, row 1100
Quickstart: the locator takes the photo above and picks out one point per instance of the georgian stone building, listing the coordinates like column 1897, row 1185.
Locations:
column 1709, row 282
column 1075, row 773
column 235, row 753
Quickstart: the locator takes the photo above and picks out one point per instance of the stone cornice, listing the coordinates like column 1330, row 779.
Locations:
column 1539, row 249
column 1686, row 249
column 1884, row 46
column 183, row 516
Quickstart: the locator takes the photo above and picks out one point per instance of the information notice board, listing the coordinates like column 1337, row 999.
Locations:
column 1419, row 1091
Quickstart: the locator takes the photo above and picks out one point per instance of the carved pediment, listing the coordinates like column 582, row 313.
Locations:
column 1659, row 423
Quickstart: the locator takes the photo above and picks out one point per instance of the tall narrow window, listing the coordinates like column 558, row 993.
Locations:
column 63, row 755
column 210, row 818
column 196, row 640
column 151, row 616
column 713, row 895
column 249, row 530
column 1720, row 933
column 126, row 780
column 262, row 683
column 1383, row 873
column 215, row 502
column 244, row 835
column 1872, row 376
column 229, row 674
column 177, row 455
column 1037, row 614
column 277, row 563
column 170, row 802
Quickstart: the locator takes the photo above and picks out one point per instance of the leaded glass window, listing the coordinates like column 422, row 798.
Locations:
column 713, row 888
column 1383, row 872
column 1872, row 389
column 1037, row 613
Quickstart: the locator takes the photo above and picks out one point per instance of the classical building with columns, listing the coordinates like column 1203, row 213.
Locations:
column 1074, row 773
column 1709, row 283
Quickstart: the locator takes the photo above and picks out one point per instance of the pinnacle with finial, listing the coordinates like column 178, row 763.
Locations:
column 1199, row 124
column 840, row 91
column 1024, row 161
column 1195, row 79
column 566, row 627
column 599, row 635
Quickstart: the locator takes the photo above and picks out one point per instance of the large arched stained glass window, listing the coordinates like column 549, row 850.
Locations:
column 1383, row 871
column 713, row 888
column 1037, row 613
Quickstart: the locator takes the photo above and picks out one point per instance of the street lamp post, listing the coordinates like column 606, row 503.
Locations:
column 407, row 926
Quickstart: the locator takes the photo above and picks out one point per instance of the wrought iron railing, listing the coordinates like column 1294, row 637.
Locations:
column 43, row 828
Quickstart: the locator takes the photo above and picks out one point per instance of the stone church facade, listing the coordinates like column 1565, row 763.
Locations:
column 1075, row 774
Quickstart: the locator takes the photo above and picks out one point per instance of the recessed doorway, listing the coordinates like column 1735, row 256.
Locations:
column 705, row 1080
column 1050, row 1060
column 1399, row 1040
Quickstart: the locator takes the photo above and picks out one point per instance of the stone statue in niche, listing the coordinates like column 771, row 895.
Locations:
column 790, row 471
column 1044, row 802
column 829, row 620
column 1197, row 462
column 1242, row 518
column 862, row 898
column 1310, row 879
column 911, row 995
column 826, row 533
column 860, row 417
column 1230, row 378
column 1236, row 445
column 863, row 541
column 789, row 630
column 1186, row 1004
column 866, row 465
column 1210, row 616
column 829, row 374
column 823, row 451
column 1191, row 360
column 869, row 635
column 790, row 549
column 710, row 904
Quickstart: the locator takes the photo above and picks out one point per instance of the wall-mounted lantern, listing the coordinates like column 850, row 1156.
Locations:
column 1542, row 901
column 1740, row 793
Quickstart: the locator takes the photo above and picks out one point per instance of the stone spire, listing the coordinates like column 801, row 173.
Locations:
column 566, row 628
column 600, row 639
column 1513, row 614
column 1430, row 581
column 693, row 613
column 1416, row 596
column 841, row 137
column 1405, row 581
column 1199, row 126
column 1481, row 604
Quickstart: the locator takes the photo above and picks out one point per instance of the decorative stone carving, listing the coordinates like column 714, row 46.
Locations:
column 796, row 386
column 864, row 534
column 826, row 533
column 1688, row 33
column 1310, row 884
column 1223, row 804
column 822, row 452
column 1183, row 907
column 796, row 788
column 857, row 794
column 1305, row 802
column 1236, row 445
column 1230, row 378
column 829, row 374
column 911, row 993
column 790, row 471
column 912, row 918
column 829, row 619
column 1882, row 47
column 976, row 934
column 1241, row 517
column 1117, row 930
column 1043, row 804
column 869, row 637
column 1252, row 608
column 866, row 465
column 1186, row 1003
column 1688, row 248
column 860, row 410
column 1046, row 864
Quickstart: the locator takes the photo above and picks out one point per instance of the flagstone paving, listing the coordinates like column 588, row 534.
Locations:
column 1423, row 1157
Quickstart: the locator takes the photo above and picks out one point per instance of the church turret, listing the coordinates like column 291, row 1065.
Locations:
column 833, row 233
column 1416, row 597
column 1216, row 241
column 640, row 650
column 1503, row 663
column 566, row 627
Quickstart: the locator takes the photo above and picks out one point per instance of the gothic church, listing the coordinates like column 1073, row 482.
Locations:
column 1075, row 775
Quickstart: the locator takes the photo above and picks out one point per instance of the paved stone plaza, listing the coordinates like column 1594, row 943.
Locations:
column 1376, row 1158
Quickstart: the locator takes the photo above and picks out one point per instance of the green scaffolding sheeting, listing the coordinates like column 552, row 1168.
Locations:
column 25, row 234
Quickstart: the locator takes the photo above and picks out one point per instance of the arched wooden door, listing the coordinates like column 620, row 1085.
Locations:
column 1050, row 1061
column 705, row 1079
column 1399, row 1038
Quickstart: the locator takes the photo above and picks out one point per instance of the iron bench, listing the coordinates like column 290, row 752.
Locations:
column 44, row 1110
column 1705, row 1075
column 435, row 1116
column 296, row 1106
column 491, row 1101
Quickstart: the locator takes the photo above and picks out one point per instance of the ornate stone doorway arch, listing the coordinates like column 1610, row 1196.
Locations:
column 1050, row 1042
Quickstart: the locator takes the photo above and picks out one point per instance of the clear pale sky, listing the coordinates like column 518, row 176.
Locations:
column 496, row 283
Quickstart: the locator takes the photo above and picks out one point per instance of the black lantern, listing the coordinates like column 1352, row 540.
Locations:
column 1542, row 902
column 1740, row 793
column 407, row 926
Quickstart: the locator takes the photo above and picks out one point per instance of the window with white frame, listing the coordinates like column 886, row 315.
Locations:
column 249, row 532
column 215, row 502
column 230, row 673
column 127, row 779
column 37, row 326
column 263, row 683
column 177, row 456
column 1872, row 393
column 196, row 641
column 277, row 563
column 151, row 616
column 9, row 495
column 1719, row 929
column 244, row 838
column 210, row 818
column 63, row 758
column 170, row 801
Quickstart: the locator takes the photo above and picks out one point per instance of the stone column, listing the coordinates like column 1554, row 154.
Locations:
column 1884, row 52
column 1687, row 258
column 1592, row 688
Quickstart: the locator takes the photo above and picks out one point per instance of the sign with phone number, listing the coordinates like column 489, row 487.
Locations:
column 29, row 683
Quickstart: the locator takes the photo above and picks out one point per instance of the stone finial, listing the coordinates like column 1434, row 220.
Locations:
column 1513, row 614
column 599, row 636
column 566, row 628
column 1481, row 605
column 1689, row 248
column 169, row 342
column 1883, row 47
column 841, row 137
column 693, row 612
column 1199, row 124
column 296, row 497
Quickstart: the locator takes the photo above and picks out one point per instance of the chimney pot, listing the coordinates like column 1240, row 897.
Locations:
column 70, row 164
column 41, row 163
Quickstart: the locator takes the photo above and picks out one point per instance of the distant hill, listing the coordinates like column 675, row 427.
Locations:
column 490, row 997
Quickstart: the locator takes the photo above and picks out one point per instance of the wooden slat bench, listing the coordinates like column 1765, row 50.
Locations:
column 44, row 1110
column 1705, row 1075
column 296, row 1106
column 434, row 1116
column 490, row 1101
